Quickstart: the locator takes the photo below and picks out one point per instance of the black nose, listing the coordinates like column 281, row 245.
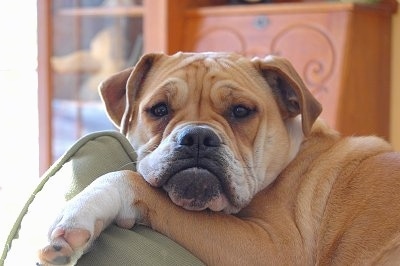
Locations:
column 198, row 138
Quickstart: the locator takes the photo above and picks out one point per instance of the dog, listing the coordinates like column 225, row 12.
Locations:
column 236, row 149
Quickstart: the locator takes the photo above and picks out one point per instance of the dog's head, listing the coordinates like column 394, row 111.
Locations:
column 212, row 129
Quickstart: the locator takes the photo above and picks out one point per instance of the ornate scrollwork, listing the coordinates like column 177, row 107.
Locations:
column 315, row 60
column 308, row 47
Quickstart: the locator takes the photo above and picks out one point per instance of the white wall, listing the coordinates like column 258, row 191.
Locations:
column 18, row 108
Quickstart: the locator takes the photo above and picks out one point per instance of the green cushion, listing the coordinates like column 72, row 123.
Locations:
column 89, row 158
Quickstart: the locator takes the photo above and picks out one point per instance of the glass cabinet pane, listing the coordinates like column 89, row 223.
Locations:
column 92, row 40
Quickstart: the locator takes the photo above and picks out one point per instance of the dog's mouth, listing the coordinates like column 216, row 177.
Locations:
column 196, row 188
column 193, row 166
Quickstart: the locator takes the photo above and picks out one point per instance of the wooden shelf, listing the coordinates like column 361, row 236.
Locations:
column 282, row 8
column 223, row 10
column 131, row 11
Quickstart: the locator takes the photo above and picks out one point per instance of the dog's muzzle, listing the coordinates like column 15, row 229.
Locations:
column 196, row 178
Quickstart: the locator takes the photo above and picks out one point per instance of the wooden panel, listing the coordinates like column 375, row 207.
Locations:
column 364, row 106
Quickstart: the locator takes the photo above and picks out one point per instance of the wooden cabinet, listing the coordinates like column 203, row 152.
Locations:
column 342, row 51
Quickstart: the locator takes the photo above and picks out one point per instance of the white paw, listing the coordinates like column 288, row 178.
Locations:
column 108, row 199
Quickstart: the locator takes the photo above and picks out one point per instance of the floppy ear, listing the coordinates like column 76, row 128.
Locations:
column 292, row 95
column 119, row 91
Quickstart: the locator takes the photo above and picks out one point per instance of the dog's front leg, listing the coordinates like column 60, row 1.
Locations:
column 108, row 199
column 217, row 238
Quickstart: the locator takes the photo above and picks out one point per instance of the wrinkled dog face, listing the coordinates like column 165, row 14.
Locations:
column 208, row 128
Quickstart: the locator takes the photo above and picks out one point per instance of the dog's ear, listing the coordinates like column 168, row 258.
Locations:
column 292, row 95
column 119, row 91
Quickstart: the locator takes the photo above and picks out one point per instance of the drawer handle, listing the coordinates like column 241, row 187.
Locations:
column 261, row 22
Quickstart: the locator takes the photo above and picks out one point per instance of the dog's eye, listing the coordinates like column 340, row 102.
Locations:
column 240, row 111
column 159, row 110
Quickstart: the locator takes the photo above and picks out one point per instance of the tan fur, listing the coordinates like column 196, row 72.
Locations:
column 306, row 195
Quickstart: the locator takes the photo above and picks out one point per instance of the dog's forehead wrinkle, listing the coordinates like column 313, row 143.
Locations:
column 196, row 78
column 177, row 63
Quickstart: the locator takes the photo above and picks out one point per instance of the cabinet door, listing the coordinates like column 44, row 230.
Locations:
column 313, row 42
column 90, row 41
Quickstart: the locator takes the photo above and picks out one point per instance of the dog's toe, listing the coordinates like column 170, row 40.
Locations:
column 58, row 253
column 63, row 245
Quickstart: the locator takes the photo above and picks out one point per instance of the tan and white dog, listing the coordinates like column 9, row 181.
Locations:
column 233, row 147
